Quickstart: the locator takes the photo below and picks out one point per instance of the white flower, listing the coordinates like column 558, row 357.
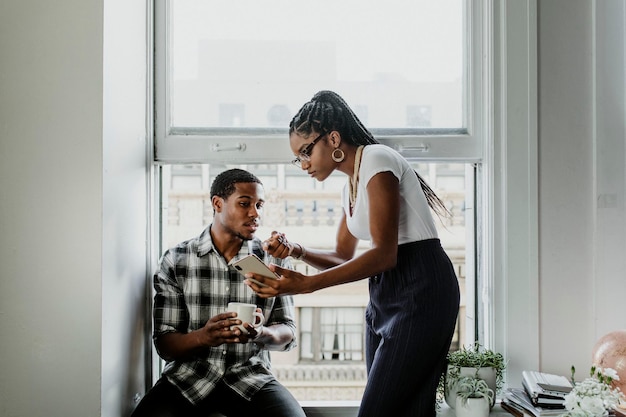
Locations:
column 594, row 396
column 611, row 373
column 593, row 406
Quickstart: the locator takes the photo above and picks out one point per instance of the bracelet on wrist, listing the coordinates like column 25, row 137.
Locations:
column 302, row 252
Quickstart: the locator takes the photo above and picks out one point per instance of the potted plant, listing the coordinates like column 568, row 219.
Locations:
column 473, row 397
column 475, row 361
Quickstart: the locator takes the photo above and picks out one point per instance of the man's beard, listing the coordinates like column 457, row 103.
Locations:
column 244, row 238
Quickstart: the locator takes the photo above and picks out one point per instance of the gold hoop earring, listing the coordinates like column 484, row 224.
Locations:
column 339, row 158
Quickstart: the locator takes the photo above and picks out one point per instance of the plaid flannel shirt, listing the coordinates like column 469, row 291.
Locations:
column 193, row 283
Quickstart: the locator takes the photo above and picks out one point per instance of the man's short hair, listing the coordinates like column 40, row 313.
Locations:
column 224, row 183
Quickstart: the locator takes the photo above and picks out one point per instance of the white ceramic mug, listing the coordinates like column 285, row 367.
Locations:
column 247, row 314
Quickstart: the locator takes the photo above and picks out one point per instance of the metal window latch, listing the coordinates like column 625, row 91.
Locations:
column 419, row 148
column 216, row 147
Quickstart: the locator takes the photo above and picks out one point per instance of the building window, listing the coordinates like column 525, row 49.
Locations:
column 418, row 116
column 332, row 334
column 232, row 114
column 279, row 115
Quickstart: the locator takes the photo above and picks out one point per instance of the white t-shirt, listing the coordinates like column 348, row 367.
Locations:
column 416, row 220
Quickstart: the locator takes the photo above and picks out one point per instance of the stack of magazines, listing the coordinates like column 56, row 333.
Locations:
column 546, row 390
column 543, row 395
column 517, row 402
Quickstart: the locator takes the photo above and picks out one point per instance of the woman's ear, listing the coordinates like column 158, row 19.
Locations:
column 335, row 138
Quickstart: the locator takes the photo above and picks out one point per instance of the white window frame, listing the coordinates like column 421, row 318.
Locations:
column 202, row 145
column 511, row 202
column 501, row 138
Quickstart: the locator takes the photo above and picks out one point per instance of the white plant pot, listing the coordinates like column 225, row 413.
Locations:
column 486, row 374
column 475, row 407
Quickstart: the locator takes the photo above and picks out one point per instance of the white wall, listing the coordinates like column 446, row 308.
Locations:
column 73, row 197
column 72, row 206
column 125, row 238
column 610, row 167
column 582, row 270
column 51, row 199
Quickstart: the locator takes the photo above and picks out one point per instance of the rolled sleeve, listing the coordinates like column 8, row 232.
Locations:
column 169, row 311
column 283, row 313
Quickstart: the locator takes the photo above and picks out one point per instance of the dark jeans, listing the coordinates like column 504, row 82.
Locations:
column 165, row 400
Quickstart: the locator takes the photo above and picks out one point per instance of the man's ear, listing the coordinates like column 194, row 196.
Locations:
column 217, row 202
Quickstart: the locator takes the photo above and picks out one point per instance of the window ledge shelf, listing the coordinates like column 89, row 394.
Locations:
column 351, row 409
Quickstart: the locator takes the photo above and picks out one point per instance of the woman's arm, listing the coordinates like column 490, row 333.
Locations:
column 279, row 247
column 384, row 207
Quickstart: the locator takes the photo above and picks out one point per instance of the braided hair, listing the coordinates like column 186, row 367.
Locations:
column 326, row 112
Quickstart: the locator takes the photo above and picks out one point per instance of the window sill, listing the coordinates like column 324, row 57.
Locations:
column 351, row 409
column 330, row 408
column 497, row 411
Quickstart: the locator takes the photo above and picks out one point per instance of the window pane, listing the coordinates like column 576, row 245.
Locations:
column 330, row 322
column 253, row 63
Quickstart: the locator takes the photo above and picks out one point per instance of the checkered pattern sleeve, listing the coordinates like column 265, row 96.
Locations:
column 170, row 312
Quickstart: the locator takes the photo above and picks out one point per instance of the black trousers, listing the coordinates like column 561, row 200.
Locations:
column 165, row 400
column 410, row 320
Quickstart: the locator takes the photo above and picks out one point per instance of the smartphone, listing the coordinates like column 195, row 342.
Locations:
column 254, row 264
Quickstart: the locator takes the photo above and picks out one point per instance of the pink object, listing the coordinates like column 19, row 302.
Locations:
column 610, row 352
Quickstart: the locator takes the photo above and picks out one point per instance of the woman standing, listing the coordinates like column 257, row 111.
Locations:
column 414, row 293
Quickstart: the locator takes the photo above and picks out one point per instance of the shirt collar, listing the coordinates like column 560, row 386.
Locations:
column 205, row 244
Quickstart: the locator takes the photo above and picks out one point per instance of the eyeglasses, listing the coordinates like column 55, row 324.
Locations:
column 305, row 153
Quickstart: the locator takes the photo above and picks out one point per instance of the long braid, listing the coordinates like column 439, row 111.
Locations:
column 434, row 202
column 328, row 111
